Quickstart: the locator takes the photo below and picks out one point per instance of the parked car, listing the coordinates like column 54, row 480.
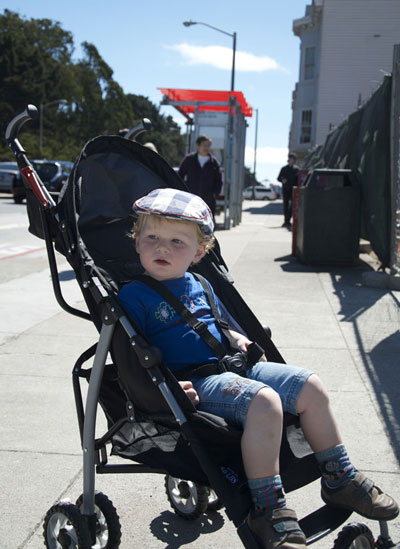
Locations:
column 277, row 187
column 261, row 192
column 8, row 172
column 51, row 172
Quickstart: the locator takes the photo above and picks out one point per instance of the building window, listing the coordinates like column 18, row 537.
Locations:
column 309, row 63
column 306, row 119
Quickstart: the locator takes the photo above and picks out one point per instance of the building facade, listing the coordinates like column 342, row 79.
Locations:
column 346, row 47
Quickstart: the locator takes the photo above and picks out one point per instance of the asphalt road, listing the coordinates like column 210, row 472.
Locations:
column 20, row 252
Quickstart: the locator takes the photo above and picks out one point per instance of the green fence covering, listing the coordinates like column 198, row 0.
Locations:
column 362, row 143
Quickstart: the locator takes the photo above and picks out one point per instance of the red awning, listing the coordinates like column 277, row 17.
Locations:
column 194, row 96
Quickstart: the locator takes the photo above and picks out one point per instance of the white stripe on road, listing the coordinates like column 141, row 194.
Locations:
column 28, row 300
column 14, row 226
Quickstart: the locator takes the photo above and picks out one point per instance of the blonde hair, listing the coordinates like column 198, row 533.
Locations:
column 207, row 240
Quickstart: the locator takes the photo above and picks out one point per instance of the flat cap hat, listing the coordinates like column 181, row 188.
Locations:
column 178, row 205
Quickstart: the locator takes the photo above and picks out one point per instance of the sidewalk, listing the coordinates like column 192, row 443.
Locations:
column 322, row 319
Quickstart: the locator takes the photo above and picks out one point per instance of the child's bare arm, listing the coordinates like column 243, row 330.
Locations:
column 243, row 342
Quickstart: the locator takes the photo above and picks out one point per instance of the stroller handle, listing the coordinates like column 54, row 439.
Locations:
column 143, row 126
column 30, row 176
column 14, row 127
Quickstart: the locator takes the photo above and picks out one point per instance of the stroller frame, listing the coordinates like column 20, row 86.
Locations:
column 95, row 458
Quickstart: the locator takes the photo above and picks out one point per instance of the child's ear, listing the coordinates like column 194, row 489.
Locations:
column 201, row 252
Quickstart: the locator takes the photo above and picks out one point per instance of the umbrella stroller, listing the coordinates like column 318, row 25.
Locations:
column 151, row 422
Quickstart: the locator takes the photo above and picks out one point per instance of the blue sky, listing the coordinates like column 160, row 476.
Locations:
column 147, row 47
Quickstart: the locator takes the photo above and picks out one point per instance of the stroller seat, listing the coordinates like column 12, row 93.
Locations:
column 151, row 422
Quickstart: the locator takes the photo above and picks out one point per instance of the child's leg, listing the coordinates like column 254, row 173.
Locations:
column 261, row 439
column 259, row 410
column 273, row 524
column 342, row 484
column 316, row 417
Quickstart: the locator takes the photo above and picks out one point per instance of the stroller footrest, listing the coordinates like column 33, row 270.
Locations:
column 321, row 522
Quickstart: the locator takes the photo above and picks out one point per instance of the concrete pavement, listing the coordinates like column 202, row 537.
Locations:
column 324, row 319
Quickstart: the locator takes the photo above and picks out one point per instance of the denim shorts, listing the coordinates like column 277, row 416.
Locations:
column 228, row 395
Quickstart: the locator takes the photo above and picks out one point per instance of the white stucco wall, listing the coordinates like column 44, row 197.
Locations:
column 357, row 39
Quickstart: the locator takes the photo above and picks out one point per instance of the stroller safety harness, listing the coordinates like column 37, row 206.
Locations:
column 151, row 422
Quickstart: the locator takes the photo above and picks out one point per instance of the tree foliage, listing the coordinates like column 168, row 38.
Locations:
column 37, row 67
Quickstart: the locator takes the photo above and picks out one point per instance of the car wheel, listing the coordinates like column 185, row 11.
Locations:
column 18, row 199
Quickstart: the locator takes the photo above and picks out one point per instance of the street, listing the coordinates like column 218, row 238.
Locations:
column 27, row 252
column 322, row 319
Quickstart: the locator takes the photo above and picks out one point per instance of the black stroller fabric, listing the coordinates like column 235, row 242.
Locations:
column 92, row 229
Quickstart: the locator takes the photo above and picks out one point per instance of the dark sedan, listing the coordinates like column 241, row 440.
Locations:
column 52, row 173
column 8, row 172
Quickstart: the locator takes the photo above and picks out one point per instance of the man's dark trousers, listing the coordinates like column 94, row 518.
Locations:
column 287, row 202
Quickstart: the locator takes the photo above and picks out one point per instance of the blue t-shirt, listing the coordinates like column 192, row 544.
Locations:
column 179, row 344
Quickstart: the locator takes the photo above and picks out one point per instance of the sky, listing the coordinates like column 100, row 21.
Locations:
column 148, row 47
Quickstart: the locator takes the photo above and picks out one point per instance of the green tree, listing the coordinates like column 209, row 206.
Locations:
column 36, row 67
column 165, row 133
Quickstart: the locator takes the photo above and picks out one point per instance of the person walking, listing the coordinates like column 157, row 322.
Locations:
column 288, row 177
column 201, row 172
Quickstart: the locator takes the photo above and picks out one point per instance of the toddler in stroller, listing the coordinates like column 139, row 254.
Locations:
column 173, row 231
column 150, row 419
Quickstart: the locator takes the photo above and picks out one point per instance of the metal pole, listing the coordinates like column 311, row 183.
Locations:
column 40, row 126
column 233, row 35
column 395, row 164
column 233, row 63
column 255, row 154
column 255, row 145
column 41, row 109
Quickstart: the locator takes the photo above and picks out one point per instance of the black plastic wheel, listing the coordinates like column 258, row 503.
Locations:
column 108, row 527
column 213, row 503
column 355, row 536
column 65, row 528
column 188, row 499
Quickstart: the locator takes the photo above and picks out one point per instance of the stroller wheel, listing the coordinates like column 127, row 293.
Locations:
column 108, row 527
column 65, row 528
column 213, row 503
column 355, row 536
column 188, row 500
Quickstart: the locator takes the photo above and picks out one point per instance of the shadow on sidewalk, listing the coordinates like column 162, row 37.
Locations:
column 270, row 208
column 175, row 532
column 381, row 363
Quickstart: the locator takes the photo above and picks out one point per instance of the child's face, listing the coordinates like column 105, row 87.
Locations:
column 167, row 248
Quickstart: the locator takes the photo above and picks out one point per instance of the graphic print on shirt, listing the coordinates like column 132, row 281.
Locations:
column 189, row 303
column 164, row 313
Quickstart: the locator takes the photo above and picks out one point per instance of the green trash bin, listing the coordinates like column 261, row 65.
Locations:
column 328, row 223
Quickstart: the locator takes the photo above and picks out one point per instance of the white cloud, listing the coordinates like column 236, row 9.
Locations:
column 221, row 58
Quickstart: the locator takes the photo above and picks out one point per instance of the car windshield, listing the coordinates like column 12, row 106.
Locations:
column 8, row 166
column 46, row 171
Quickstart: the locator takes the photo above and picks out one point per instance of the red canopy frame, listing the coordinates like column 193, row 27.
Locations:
column 185, row 100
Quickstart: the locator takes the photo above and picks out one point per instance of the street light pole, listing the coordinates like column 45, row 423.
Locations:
column 232, row 35
column 41, row 109
column 233, row 63
column 255, row 145
column 255, row 156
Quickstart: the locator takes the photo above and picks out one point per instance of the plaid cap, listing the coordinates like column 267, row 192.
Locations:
column 177, row 205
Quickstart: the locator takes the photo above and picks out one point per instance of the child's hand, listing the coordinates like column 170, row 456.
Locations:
column 187, row 386
column 242, row 342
